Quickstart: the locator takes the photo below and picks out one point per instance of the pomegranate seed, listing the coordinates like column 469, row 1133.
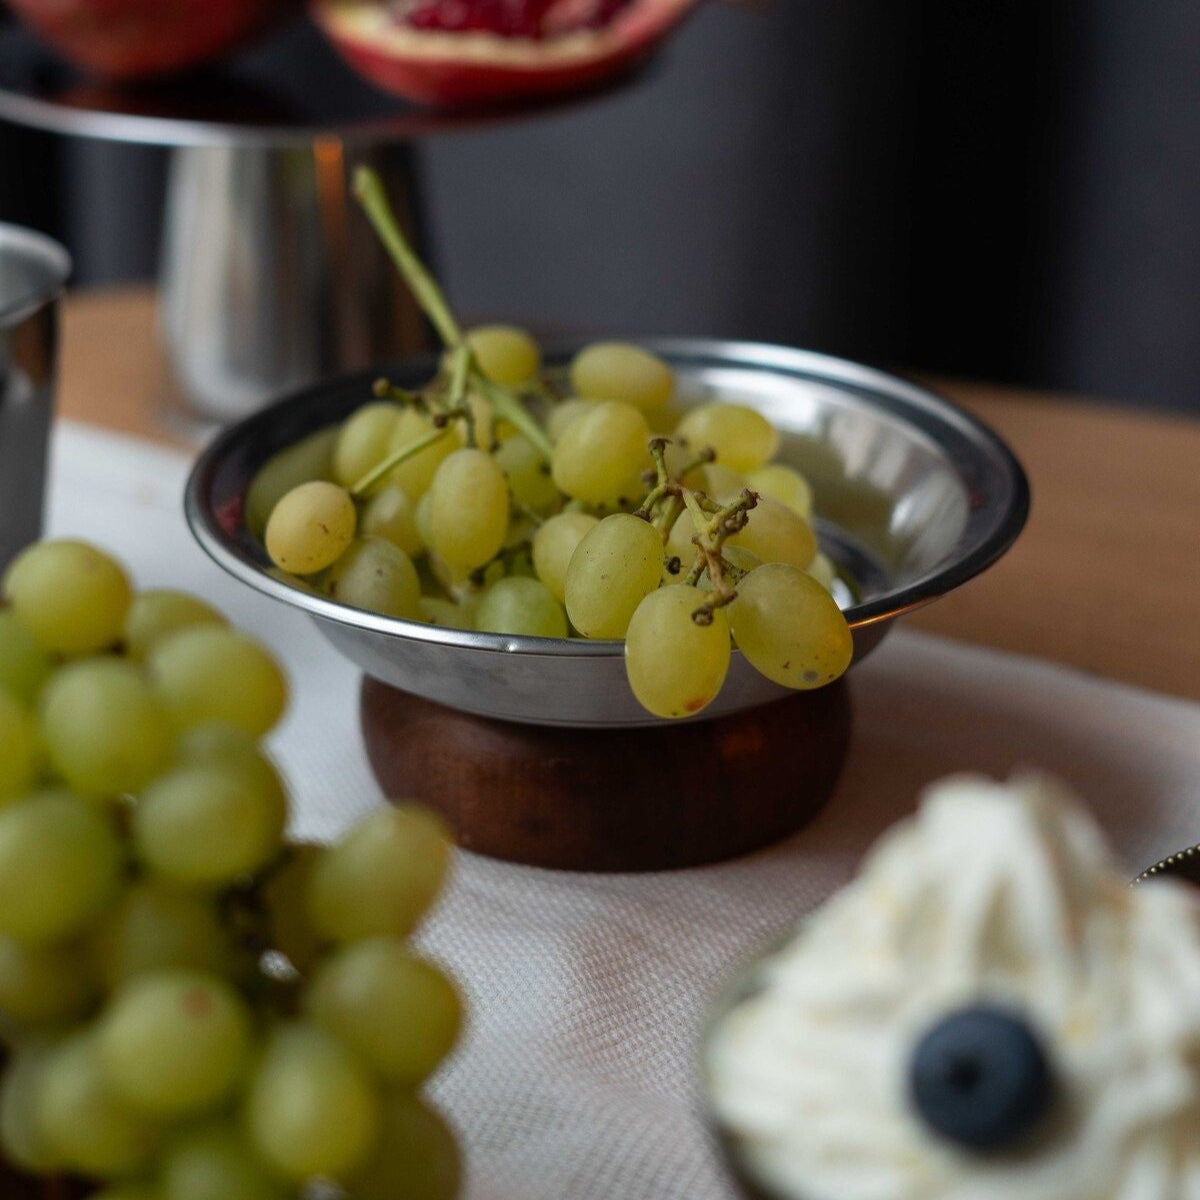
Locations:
column 508, row 18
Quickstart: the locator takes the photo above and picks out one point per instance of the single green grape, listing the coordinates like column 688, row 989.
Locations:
column 776, row 534
column 72, row 597
column 675, row 666
column 390, row 514
column 284, row 895
column 785, row 484
column 211, row 674
column 437, row 611
column 20, row 748
column 398, row 1012
column 159, row 612
column 505, row 354
column 24, row 667
column 311, row 1109
column 599, row 455
column 790, row 628
column 23, row 1140
column 310, row 527
column 528, row 475
column 614, row 567
column 680, row 544
column 215, row 1162
column 416, row 1155
column 416, row 474
column 564, row 413
column 720, row 483
column 621, row 371
column 468, row 513
column 521, row 606
column 377, row 576
column 553, row 545
column 43, row 984
column 174, row 1043
column 309, row 459
column 381, row 877
column 742, row 437
column 105, row 729
column 823, row 570
column 60, row 866
column 364, row 440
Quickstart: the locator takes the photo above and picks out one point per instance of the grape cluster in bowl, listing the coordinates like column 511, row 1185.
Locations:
column 192, row 1007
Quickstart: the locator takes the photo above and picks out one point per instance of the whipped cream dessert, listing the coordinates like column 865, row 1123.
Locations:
column 988, row 1012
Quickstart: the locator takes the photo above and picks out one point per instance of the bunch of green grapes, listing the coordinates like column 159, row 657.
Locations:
column 507, row 499
column 191, row 1007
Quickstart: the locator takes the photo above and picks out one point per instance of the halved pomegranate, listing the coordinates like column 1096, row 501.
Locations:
column 452, row 53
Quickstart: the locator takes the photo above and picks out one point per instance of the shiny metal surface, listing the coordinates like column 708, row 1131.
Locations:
column 914, row 498
column 33, row 270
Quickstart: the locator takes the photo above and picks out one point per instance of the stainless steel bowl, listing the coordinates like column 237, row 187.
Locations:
column 914, row 497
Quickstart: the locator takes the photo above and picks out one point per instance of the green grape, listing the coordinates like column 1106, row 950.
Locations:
column 505, row 354
column 468, row 511
column 528, row 475
column 215, row 1162
column 377, row 576
column 72, row 597
column 416, row 1156
column 105, row 729
column 87, row 1128
column 553, row 545
column 23, row 1141
column 310, row 527
column 364, row 441
column 823, row 571
column 311, row 1109
column 23, row 665
column 20, row 750
column 521, row 606
column 777, row 535
column 620, row 371
column 159, row 612
column 174, row 1043
column 218, row 742
column 60, row 865
column 381, row 877
column 211, row 674
column 600, row 453
column 614, row 567
column 742, row 437
column 284, row 894
column 675, row 666
column 447, row 614
column 415, row 474
column 785, row 484
column 43, row 984
column 302, row 462
column 398, row 1012
column 156, row 926
column 391, row 514
column 207, row 824
column 564, row 413
column 680, row 544
column 790, row 628
column 720, row 483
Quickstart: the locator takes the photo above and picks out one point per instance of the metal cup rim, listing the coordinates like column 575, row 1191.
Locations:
column 50, row 255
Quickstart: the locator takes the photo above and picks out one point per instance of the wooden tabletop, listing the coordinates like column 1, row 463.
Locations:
column 1106, row 576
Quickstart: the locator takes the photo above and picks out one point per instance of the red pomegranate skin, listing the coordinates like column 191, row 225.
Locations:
column 132, row 39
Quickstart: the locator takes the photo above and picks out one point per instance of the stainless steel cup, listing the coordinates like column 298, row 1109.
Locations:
column 33, row 270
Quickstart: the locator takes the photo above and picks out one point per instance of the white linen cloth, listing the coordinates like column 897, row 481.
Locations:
column 587, row 993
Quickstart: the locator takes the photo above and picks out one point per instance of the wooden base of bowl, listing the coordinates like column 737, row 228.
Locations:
column 638, row 799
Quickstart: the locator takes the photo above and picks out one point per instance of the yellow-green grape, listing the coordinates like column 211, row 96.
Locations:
column 742, row 437
column 284, row 895
column 437, row 611
column 376, row 575
column 777, row 535
column 521, row 606
column 308, row 459
column 620, row 371
column 23, row 665
column 553, row 545
column 157, row 926
column 174, row 1043
column 85, row 1126
column 207, row 824
column 416, row 1156
column 19, row 748
column 310, row 527
column 23, row 1141
column 311, row 1109
column 396, row 1011
column 60, row 866
column 211, row 674
column 823, row 571
column 105, row 729
column 505, row 354
column 391, row 514
column 720, row 483
column 381, row 877
column 564, row 413
column 785, row 484
column 600, row 453
column 675, row 666
column 215, row 1162
column 415, row 474
column 43, row 984
column 72, row 597
column 159, row 612
column 528, row 475
column 468, row 512
column 680, row 544
column 364, row 441
column 614, row 567
column 790, row 628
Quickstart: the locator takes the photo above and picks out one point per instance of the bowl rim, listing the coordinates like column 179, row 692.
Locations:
column 926, row 411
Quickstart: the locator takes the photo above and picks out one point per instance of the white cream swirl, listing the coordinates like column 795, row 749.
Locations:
column 992, row 893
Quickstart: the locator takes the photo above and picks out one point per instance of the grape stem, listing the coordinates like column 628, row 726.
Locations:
column 407, row 451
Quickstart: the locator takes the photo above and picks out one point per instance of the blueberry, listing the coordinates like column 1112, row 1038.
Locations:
column 980, row 1078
